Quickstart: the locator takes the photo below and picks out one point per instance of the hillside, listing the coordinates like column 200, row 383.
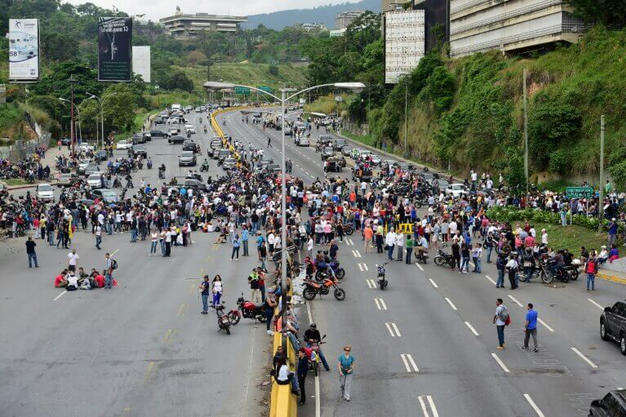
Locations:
column 321, row 14
column 467, row 113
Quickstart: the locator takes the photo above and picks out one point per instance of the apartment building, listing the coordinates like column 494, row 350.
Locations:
column 510, row 25
column 182, row 26
column 343, row 20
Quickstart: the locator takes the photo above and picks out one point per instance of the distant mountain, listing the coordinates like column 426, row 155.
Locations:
column 320, row 14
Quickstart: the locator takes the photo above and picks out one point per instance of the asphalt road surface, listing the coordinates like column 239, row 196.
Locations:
column 141, row 349
column 426, row 346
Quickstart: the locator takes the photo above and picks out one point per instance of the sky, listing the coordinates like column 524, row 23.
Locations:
column 155, row 9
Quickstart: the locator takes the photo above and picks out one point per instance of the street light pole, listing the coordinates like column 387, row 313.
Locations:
column 601, row 194
column 406, row 114
column 525, row 135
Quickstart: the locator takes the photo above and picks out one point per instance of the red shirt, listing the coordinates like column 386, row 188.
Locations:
column 58, row 280
column 99, row 281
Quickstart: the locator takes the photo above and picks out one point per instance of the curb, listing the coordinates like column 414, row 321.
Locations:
column 21, row 187
column 613, row 278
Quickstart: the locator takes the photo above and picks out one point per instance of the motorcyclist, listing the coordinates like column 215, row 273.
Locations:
column 312, row 335
column 422, row 247
column 149, row 163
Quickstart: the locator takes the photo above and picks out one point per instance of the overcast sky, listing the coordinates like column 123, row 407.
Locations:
column 155, row 9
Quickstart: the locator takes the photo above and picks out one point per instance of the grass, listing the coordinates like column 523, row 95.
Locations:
column 328, row 105
column 11, row 182
column 289, row 75
column 367, row 139
column 569, row 237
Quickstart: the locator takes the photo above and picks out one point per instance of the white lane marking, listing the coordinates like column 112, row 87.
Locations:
column 60, row 295
column 365, row 266
column 370, row 283
column 595, row 304
column 380, row 303
column 472, row 328
column 451, row 303
column 427, row 398
column 350, row 240
column 318, row 402
column 533, row 405
column 472, row 264
column 357, row 254
column 433, row 282
column 360, row 267
column 545, row 325
column 308, row 311
column 419, row 266
column 502, row 365
column 515, row 301
column 409, row 363
column 354, row 253
column 490, row 279
column 114, row 252
column 393, row 329
column 348, row 243
column 583, row 357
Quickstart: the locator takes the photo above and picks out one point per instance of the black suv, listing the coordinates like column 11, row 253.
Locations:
column 612, row 405
column 613, row 324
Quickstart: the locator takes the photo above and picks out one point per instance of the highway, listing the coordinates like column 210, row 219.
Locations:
column 426, row 346
column 141, row 349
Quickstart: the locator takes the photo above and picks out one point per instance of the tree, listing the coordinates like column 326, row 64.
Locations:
column 606, row 12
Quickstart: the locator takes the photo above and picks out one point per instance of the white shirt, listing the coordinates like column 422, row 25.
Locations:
column 72, row 280
column 544, row 238
column 73, row 258
column 283, row 373
column 390, row 240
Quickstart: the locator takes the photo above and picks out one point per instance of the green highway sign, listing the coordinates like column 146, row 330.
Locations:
column 242, row 90
column 264, row 88
column 579, row 192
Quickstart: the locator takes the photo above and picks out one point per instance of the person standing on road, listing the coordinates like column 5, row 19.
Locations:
column 512, row 266
column 98, row 234
column 530, row 327
column 72, row 260
column 345, row 365
column 409, row 248
column 390, row 241
column 245, row 236
column 108, row 270
column 500, row 318
column 500, row 264
column 154, row 240
column 30, row 252
column 205, row 288
column 217, row 289
column 400, row 246
column 269, row 142
column 270, row 305
column 591, row 268
column 236, row 244
column 477, row 254
column 302, row 370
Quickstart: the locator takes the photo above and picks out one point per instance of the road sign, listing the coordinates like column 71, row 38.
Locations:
column 579, row 192
column 242, row 90
column 264, row 88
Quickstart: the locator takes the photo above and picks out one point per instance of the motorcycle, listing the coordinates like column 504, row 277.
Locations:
column 223, row 320
column 204, row 167
column 563, row 274
column 445, row 259
column 149, row 164
column 314, row 361
column 313, row 288
column 249, row 310
column 348, row 229
column 421, row 256
column 161, row 174
column 382, row 279
column 323, row 272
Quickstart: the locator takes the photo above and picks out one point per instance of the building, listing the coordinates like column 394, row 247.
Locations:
column 312, row 27
column 510, row 25
column 391, row 5
column 343, row 20
column 437, row 21
column 336, row 33
column 184, row 26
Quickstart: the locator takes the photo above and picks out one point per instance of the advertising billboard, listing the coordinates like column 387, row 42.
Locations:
column 141, row 62
column 404, row 42
column 23, row 50
column 115, row 51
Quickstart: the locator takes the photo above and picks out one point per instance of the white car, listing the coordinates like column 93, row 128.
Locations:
column 45, row 192
column 124, row 144
column 303, row 141
column 83, row 164
column 190, row 129
column 85, row 147
column 94, row 180
column 456, row 190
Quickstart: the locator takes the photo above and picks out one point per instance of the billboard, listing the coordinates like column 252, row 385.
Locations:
column 141, row 62
column 404, row 42
column 115, row 48
column 23, row 50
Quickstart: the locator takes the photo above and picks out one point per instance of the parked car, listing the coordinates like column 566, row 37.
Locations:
column 456, row 190
column 190, row 145
column 82, row 165
column 303, row 141
column 138, row 138
column 327, row 152
column 95, row 180
column 65, row 179
column 101, row 155
column 45, row 192
column 222, row 154
column 175, row 139
column 195, row 183
column 612, row 405
column 339, row 144
column 66, row 141
column 613, row 324
column 139, row 150
column 124, row 144
column 158, row 134
column 187, row 158
column 229, row 163
column 85, row 147
column 332, row 165
column 91, row 169
column 108, row 196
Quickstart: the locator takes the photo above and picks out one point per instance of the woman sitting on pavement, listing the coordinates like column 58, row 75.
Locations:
column 60, row 281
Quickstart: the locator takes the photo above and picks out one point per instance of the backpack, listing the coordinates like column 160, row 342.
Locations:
column 505, row 316
column 113, row 264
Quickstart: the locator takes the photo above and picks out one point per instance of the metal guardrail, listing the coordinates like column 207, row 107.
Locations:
column 506, row 15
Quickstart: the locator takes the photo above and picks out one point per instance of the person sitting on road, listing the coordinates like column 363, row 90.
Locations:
column 60, row 281
column 72, row 281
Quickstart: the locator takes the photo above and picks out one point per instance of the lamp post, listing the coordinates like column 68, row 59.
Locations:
column 95, row 97
column 80, row 130
column 284, row 99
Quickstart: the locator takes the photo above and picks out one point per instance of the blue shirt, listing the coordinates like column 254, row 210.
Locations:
column 346, row 363
column 244, row 234
column 531, row 317
column 260, row 241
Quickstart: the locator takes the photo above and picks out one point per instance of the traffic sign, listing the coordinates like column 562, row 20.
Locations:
column 242, row 90
column 579, row 192
column 264, row 88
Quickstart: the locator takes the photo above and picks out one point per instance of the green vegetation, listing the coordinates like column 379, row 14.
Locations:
column 327, row 105
column 570, row 237
column 366, row 139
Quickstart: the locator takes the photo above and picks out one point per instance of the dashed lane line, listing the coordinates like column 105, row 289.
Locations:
column 583, row 357
column 370, row 283
column 515, row 301
column 469, row 326
column 499, row 361
column 409, row 363
column 419, row 266
column 60, row 295
column 393, row 329
column 533, row 405
column 433, row 283
column 380, row 304
column 451, row 304
column 490, row 279
column 595, row 304
column 545, row 325
column 426, row 403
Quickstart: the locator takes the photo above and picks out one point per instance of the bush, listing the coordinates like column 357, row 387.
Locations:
column 559, row 162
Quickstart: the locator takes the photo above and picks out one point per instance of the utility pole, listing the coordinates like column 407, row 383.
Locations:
column 406, row 114
column 601, row 199
column 72, row 128
column 525, row 135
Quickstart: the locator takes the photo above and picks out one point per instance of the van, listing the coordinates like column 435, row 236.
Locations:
column 176, row 107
